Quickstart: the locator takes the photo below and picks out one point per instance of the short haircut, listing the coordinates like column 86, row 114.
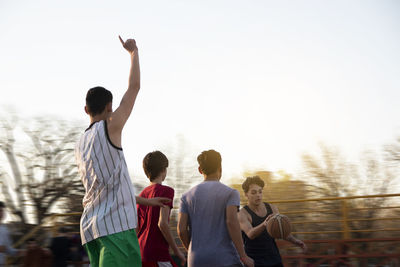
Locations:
column 154, row 163
column 252, row 180
column 97, row 99
column 209, row 161
column 2, row 205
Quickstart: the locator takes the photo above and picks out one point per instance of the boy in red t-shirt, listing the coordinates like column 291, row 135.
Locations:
column 153, row 222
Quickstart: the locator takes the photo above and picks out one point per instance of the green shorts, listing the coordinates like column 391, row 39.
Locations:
column 116, row 250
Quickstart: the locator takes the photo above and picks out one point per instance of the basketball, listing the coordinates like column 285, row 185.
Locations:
column 278, row 226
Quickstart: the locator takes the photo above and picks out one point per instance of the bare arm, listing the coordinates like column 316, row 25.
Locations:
column 119, row 117
column 290, row 237
column 233, row 226
column 297, row 242
column 245, row 225
column 163, row 224
column 183, row 230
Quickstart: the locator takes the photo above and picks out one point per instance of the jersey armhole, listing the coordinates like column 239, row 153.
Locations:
column 269, row 208
column 108, row 137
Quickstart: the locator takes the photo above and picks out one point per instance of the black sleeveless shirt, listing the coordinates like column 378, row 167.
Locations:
column 262, row 249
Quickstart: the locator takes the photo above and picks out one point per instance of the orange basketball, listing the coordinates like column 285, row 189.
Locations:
column 278, row 226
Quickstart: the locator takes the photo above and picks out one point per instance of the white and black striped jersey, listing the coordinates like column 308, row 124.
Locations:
column 109, row 204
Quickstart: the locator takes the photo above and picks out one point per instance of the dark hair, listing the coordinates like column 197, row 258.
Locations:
column 2, row 205
column 252, row 180
column 154, row 163
column 96, row 100
column 209, row 161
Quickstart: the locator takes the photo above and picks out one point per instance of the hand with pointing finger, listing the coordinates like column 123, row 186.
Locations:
column 129, row 45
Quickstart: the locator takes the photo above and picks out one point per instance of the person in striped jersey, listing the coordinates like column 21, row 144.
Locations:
column 109, row 216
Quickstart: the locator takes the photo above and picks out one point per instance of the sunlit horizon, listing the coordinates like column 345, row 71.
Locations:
column 262, row 82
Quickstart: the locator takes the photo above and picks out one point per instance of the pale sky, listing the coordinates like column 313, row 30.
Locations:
column 259, row 81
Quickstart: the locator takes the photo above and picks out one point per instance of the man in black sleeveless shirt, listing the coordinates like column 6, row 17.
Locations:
column 253, row 218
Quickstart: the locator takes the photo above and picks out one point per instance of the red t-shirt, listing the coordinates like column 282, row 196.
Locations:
column 153, row 245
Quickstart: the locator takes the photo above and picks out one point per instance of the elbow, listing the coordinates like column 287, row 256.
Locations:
column 136, row 86
column 163, row 226
column 251, row 236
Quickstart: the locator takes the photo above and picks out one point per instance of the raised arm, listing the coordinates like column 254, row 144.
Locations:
column 163, row 225
column 233, row 226
column 119, row 117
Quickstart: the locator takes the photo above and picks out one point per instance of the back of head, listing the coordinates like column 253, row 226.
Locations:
column 97, row 99
column 154, row 163
column 209, row 161
column 252, row 180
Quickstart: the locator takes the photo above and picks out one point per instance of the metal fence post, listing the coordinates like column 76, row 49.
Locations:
column 345, row 216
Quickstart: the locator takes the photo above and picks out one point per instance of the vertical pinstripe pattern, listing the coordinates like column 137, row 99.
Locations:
column 109, row 204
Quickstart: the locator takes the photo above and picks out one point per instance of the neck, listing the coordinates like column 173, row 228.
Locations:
column 99, row 117
column 256, row 207
column 212, row 177
column 157, row 180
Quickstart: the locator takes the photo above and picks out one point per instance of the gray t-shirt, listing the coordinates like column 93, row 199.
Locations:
column 210, row 243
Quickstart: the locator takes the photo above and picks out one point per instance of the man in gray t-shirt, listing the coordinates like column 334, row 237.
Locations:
column 208, row 225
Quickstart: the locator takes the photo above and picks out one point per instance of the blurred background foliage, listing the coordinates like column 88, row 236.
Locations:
column 39, row 177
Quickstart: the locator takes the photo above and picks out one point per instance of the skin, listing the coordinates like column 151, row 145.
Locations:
column 232, row 224
column 116, row 119
column 255, row 203
column 163, row 222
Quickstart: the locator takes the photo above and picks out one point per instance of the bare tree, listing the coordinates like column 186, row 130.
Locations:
column 41, row 166
column 331, row 175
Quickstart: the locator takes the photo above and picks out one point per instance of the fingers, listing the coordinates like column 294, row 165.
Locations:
column 269, row 217
column 122, row 41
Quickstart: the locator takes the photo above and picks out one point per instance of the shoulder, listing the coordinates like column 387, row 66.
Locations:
column 227, row 189
column 233, row 192
column 167, row 188
column 244, row 215
column 243, row 212
column 165, row 191
column 273, row 207
column 145, row 191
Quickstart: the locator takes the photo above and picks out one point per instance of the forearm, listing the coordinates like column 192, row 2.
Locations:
column 128, row 100
column 292, row 239
column 134, row 74
column 184, row 237
column 164, row 228
column 256, row 231
column 142, row 201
